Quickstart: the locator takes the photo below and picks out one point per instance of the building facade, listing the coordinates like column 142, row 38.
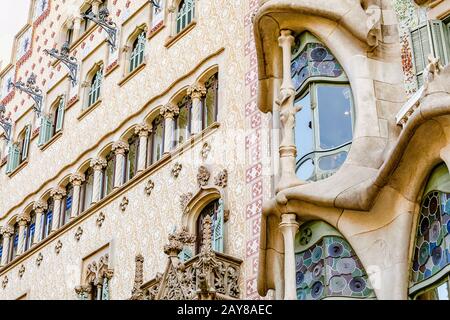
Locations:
column 189, row 149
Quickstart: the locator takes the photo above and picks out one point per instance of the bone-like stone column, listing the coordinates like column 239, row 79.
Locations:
column 288, row 150
column 98, row 165
column 142, row 130
column 76, row 179
column 57, row 195
column 289, row 228
column 7, row 233
column 169, row 112
column 196, row 92
column 119, row 148
column 39, row 208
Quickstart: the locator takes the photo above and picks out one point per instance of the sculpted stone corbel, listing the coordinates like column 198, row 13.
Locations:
column 373, row 12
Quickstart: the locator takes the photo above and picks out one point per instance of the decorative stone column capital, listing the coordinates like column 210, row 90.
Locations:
column 170, row 110
column 288, row 221
column 40, row 206
column 196, row 91
column 77, row 179
column 57, row 193
column 7, row 231
column 120, row 147
column 98, row 164
column 286, row 38
column 142, row 130
column 23, row 219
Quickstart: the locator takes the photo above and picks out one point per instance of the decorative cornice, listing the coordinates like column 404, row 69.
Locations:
column 170, row 110
column 77, row 179
column 120, row 147
column 98, row 163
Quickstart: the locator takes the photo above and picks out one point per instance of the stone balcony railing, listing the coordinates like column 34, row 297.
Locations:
column 209, row 275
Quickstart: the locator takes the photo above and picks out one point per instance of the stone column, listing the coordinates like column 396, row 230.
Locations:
column 288, row 111
column 119, row 148
column 197, row 92
column 95, row 6
column 76, row 28
column 172, row 18
column 57, row 194
column 169, row 112
column 7, row 233
column 39, row 207
column 142, row 130
column 98, row 165
column 22, row 221
column 76, row 180
column 289, row 228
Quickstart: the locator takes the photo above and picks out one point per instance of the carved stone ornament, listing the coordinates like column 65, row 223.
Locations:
column 176, row 169
column 76, row 179
column 21, row 271
column 5, row 282
column 196, row 91
column 100, row 219
column 7, row 231
column 177, row 240
column 203, row 176
column 120, row 147
column 39, row 259
column 206, row 149
column 98, row 164
column 149, row 186
column 40, row 206
column 57, row 193
column 221, row 180
column 58, row 247
column 124, row 204
column 170, row 110
column 97, row 270
column 184, row 200
column 142, row 130
column 78, row 234
column 137, row 293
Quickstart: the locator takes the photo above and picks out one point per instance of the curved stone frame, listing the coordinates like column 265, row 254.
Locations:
column 128, row 47
column 86, row 84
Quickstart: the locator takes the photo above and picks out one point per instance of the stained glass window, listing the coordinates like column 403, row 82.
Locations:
column 431, row 258
column 327, row 266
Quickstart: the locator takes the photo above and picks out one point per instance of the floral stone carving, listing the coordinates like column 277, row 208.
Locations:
column 39, row 259
column 21, row 271
column 100, row 219
column 124, row 204
column 58, row 247
column 176, row 169
column 203, row 176
column 78, row 234
column 184, row 200
column 221, row 180
column 150, row 185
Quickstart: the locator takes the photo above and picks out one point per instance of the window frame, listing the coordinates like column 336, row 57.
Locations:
column 184, row 18
column 137, row 54
column 211, row 83
column 110, row 160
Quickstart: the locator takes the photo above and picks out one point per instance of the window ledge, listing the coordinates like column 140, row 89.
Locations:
column 19, row 167
column 72, row 102
column 130, row 75
column 171, row 40
column 156, row 29
column 55, row 137
column 113, row 66
column 89, row 109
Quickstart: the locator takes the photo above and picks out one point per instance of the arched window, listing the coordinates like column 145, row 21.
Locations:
column 430, row 274
column 52, row 123
column 216, row 211
column 15, row 243
column 131, row 158
column 87, row 188
column 47, row 219
column 210, row 101
column 137, row 52
column 185, row 14
column 327, row 266
column 66, row 205
column 18, row 151
column 156, row 140
column 324, row 125
column 69, row 36
column 95, row 86
column 183, row 121
column 108, row 174
column 31, row 230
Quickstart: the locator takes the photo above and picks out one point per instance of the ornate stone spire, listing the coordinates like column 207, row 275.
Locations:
column 137, row 293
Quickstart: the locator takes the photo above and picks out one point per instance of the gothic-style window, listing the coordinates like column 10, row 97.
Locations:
column 216, row 211
column 87, row 188
column 137, row 53
column 327, row 266
column 18, row 151
column 95, row 86
column 131, row 158
column 52, row 123
column 183, row 121
column 15, row 243
column 31, row 231
column 185, row 14
column 96, row 280
column 324, row 124
column 108, row 174
column 47, row 219
column 156, row 140
column 66, row 205
column 210, row 102
column 430, row 277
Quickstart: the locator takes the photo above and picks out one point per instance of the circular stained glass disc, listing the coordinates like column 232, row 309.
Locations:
column 433, row 204
column 300, row 277
column 317, row 254
column 316, row 290
column 335, row 249
column 436, row 255
column 357, row 284
column 424, row 253
column 337, row 284
column 435, row 230
column 317, row 271
column 318, row 54
column 424, row 225
column 447, row 207
column 346, row 266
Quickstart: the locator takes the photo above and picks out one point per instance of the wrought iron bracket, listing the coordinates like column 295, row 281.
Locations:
column 5, row 123
column 156, row 3
column 69, row 62
column 103, row 20
column 32, row 90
